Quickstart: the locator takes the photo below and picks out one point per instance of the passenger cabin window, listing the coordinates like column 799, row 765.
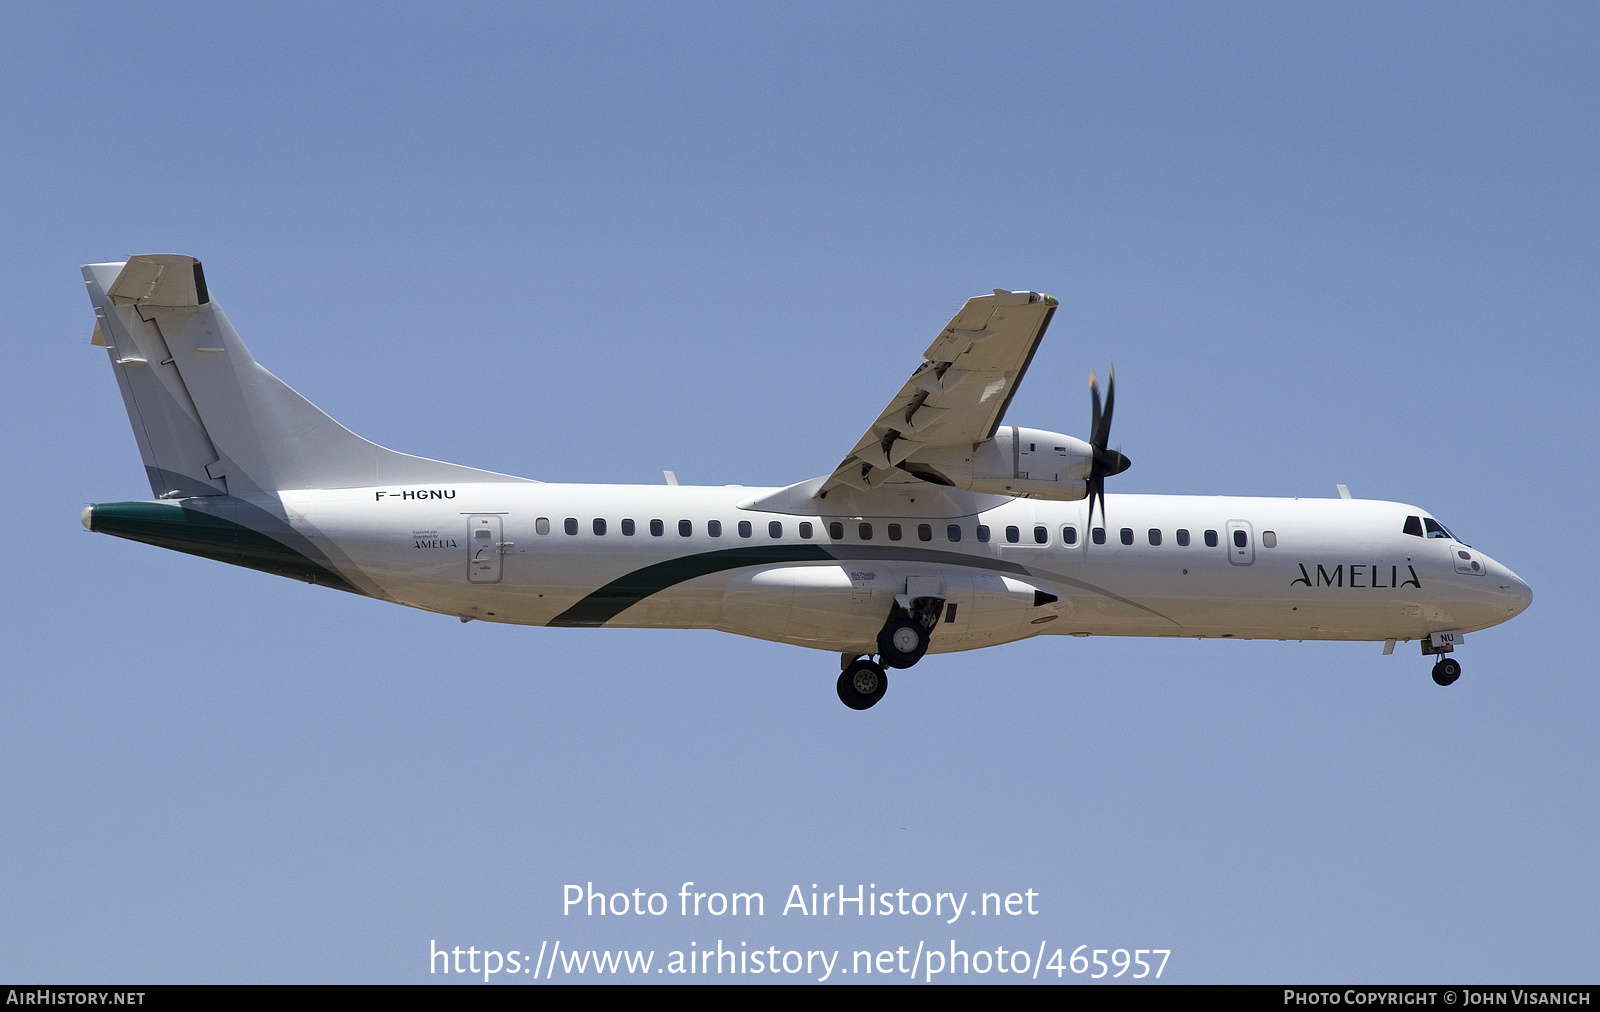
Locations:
column 953, row 532
column 599, row 526
column 1240, row 540
column 775, row 529
column 924, row 532
column 1155, row 536
column 1041, row 535
column 745, row 530
column 1069, row 535
column 570, row 525
column 836, row 531
column 657, row 528
column 1269, row 539
column 1013, row 535
column 542, row 525
column 1413, row 527
column 805, row 529
column 714, row 528
column 983, row 533
column 894, row 532
column 1098, row 535
column 865, row 531
column 1183, row 538
column 627, row 528
column 1127, row 535
column 685, row 528
column 1436, row 529
column 1211, row 539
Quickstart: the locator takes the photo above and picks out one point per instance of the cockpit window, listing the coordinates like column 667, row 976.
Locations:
column 1436, row 529
column 1413, row 527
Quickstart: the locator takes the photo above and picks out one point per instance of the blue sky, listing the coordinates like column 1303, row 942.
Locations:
column 1321, row 245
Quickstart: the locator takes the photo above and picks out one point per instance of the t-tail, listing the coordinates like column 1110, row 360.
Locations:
column 220, row 435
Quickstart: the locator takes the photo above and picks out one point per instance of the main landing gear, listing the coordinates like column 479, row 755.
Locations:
column 901, row 643
column 862, row 683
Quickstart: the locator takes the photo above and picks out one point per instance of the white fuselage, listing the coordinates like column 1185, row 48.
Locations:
column 1307, row 569
column 941, row 529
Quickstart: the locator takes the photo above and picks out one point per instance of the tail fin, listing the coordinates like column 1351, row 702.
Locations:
column 209, row 420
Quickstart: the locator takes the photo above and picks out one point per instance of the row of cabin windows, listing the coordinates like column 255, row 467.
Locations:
column 1069, row 536
column 864, row 531
column 658, row 528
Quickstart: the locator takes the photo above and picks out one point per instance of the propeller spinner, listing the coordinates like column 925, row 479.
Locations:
column 1106, row 462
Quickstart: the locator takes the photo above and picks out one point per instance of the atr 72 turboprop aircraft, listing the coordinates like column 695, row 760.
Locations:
column 941, row 530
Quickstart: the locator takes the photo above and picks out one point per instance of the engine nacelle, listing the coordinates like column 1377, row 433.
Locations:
column 1027, row 463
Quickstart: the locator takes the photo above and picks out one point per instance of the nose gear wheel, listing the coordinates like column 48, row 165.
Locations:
column 1447, row 671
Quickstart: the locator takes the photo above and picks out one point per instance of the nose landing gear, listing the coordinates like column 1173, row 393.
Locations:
column 1447, row 671
column 1440, row 645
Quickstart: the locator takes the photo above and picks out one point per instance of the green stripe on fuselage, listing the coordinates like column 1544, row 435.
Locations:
column 617, row 596
column 195, row 533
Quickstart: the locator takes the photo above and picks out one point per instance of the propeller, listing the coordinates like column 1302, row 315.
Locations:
column 1106, row 462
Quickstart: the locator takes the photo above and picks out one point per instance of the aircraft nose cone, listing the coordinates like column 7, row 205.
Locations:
column 1518, row 594
column 1510, row 593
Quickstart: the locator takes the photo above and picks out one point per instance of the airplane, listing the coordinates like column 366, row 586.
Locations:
column 941, row 530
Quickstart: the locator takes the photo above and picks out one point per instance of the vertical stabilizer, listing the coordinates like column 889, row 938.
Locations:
column 209, row 419
column 172, row 440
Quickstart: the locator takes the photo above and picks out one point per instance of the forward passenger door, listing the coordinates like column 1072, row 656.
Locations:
column 1241, row 543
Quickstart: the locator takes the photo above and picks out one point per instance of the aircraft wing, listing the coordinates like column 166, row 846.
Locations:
column 959, row 393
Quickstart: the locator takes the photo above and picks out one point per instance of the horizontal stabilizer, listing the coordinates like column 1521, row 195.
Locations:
column 161, row 280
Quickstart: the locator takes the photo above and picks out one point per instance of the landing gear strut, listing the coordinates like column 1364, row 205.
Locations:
column 862, row 683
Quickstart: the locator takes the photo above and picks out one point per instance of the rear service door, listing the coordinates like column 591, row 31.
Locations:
column 485, row 549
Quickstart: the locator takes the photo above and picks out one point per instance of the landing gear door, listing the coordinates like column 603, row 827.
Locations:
column 1241, row 543
column 485, row 555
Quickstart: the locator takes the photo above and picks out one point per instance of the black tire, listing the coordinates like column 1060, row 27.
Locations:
column 1447, row 671
column 862, row 684
column 902, row 643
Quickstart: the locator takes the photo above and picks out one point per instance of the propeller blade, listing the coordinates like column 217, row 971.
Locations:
column 1111, row 402
column 1094, row 413
column 1106, row 462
